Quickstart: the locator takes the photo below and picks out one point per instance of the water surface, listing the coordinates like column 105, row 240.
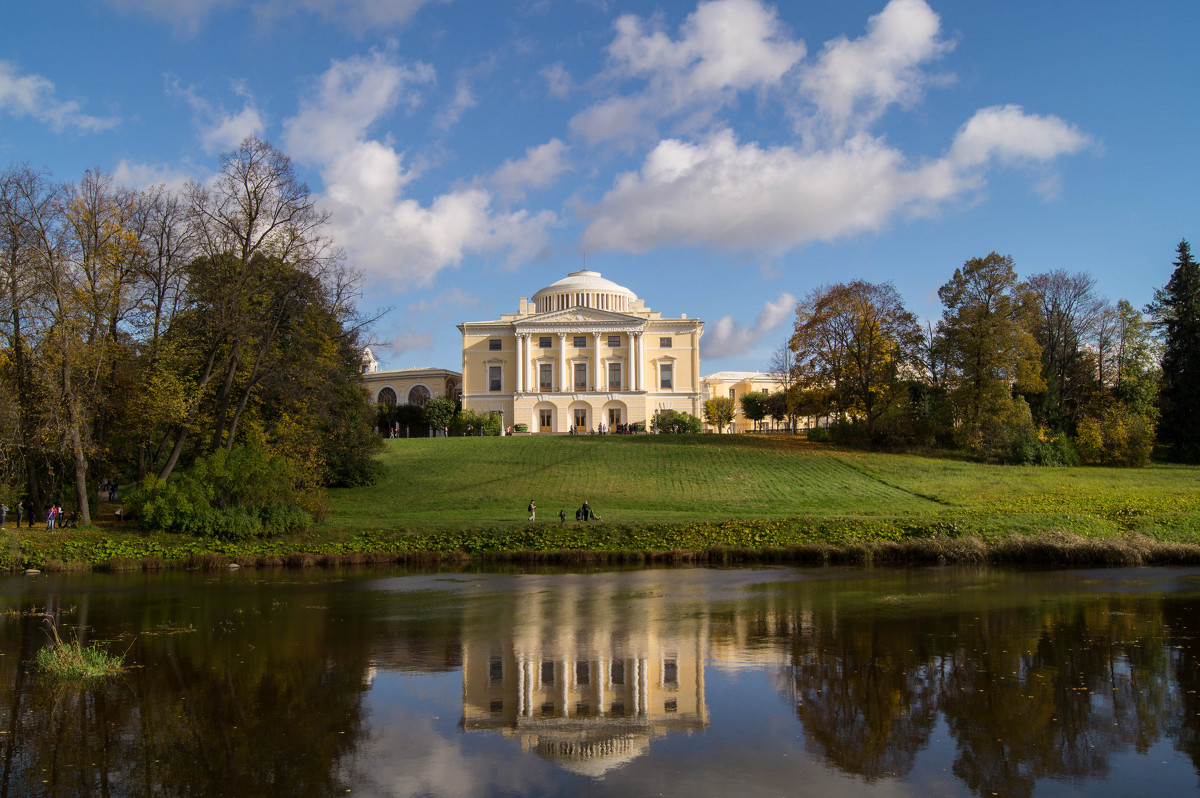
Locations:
column 775, row 681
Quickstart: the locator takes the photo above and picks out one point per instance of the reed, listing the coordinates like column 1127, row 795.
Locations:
column 71, row 661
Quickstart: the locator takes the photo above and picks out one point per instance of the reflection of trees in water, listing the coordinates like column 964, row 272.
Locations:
column 268, row 705
column 1048, row 691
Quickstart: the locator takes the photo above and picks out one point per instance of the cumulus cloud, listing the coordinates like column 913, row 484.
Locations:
column 726, row 338
column 723, row 47
column 386, row 233
column 852, row 83
column 722, row 193
column 541, row 167
column 839, row 179
column 34, row 96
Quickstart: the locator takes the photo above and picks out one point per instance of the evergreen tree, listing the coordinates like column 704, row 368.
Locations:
column 1176, row 313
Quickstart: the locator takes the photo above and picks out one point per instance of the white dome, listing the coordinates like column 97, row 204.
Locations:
column 584, row 289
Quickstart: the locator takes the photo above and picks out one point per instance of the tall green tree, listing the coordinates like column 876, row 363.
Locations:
column 718, row 412
column 989, row 350
column 754, row 406
column 1176, row 313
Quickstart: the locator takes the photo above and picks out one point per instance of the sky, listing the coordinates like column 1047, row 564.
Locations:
column 721, row 159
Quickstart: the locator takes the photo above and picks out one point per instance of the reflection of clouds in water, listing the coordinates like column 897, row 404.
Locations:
column 413, row 746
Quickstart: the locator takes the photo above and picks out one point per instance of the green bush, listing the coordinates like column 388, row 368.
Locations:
column 241, row 494
column 1119, row 437
column 818, row 434
column 675, row 422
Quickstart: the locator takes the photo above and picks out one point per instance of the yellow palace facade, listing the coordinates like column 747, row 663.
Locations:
column 582, row 354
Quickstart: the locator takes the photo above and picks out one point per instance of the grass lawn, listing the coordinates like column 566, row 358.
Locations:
column 475, row 483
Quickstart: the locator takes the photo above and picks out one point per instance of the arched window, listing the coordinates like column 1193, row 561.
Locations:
column 386, row 396
column 418, row 396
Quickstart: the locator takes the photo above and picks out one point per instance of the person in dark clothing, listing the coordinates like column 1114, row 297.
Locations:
column 562, row 516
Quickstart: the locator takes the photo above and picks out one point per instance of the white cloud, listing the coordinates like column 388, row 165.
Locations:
column 723, row 47
column 220, row 130
column 541, row 167
column 853, row 83
column 463, row 100
column 726, row 338
column 558, row 81
column 142, row 176
column 721, row 193
column 386, row 233
column 34, row 96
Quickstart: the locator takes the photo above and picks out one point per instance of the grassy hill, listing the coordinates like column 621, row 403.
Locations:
column 485, row 483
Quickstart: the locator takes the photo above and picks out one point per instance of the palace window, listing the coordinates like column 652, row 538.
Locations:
column 664, row 343
column 544, row 342
column 617, row 673
column 670, row 672
column 614, row 416
column 580, row 342
column 666, row 376
column 494, row 344
column 547, row 673
column 580, row 419
column 581, row 673
column 614, row 376
column 580, row 376
column 671, row 705
column 545, row 376
column 493, row 378
column 614, row 341
column 418, row 396
column 386, row 396
column 544, row 422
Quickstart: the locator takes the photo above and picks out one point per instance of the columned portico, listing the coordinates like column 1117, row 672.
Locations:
column 579, row 351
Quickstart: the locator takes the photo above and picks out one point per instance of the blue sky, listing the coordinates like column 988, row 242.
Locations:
column 721, row 159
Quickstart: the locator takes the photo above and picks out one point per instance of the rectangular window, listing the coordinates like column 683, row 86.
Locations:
column 617, row 673
column 544, row 422
column 665, row 376
column 580, row 371
column 614, row 417
column 664, row 343
column 494, row 345
column 731, row 396
column 545, row 376
column 614, row 376
column 544, row 342
column 493, row 378
column 614, row 341
column 548, row 673
column 670, row 672
column 496, row 670
column 582, row 674
column 580, row 342
column 670, row 705
column 580, row 420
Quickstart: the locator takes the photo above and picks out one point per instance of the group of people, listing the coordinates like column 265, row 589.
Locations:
column 108, row 487
column 604, row 429
column 584, row 513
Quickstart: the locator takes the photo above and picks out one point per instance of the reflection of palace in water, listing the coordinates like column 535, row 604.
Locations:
column 588, row 700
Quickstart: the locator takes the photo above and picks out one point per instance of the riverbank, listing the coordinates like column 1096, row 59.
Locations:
column 687, row 499
column 725, row 543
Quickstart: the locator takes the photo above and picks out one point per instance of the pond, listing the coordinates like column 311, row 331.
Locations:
column 692, row 682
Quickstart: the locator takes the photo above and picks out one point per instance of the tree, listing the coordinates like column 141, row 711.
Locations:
column 989, row 351
column 783, row 366
column 1176, row 313
column 675, row 422
column 777, row 406
column 438, row 412
column 1065, row 314
column 855, row 338
column 718, row 412
column 754, row 406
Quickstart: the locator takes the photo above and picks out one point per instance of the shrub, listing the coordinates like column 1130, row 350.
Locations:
column 1119, row 437
column 818, row 434
column 675, row 422
column 241, row 494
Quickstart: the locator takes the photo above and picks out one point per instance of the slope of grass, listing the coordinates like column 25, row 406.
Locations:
column 475, row 483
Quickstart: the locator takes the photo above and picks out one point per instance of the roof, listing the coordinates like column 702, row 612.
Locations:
column 585, row 280
column 740, row 376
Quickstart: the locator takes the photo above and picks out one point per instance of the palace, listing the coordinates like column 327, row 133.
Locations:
column 581, row 354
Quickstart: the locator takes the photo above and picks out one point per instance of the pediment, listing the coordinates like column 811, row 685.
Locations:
column 578, row 317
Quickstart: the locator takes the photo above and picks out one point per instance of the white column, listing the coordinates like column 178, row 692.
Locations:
column 520, row 363
column 564, row 376
column 599, row 386
column 638, row 362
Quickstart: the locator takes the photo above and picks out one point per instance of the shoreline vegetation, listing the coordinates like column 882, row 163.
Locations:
column 684, row 500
